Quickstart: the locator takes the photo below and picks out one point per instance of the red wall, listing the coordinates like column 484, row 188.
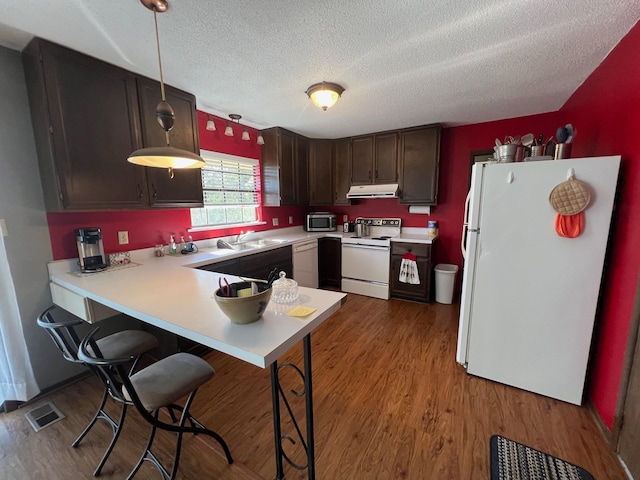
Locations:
column 606, row 111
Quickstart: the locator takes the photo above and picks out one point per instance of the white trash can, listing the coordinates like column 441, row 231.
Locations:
column 445, row 280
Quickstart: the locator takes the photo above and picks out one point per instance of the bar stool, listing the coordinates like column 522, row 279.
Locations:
column 131, row 343
column 157, row 386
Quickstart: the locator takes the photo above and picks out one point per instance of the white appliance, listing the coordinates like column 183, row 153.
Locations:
column 529, row 296
column 365, row 260
column 305, row 263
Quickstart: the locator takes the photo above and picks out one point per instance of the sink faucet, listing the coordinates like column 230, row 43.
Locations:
column 242, row 236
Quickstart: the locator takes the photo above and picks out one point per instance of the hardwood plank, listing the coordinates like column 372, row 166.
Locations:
column 390, row 403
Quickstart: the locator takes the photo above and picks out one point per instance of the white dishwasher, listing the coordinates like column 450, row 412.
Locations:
column 305, row 263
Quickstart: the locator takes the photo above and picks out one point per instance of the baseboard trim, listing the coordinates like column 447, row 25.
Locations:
column 11, row 405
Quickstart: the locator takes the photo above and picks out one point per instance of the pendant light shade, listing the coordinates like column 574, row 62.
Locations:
column 164, row 157
column 324, row 94
column 229, row 130
column 210, row 125
column 260, row 140
column 245, row 134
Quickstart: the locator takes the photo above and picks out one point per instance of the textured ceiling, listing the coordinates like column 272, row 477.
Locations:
column 402, row 62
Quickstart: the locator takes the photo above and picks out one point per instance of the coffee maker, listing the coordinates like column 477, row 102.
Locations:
column 90, row 249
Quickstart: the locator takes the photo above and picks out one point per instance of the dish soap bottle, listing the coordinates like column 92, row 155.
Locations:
column 173, row 248
column 183, row 245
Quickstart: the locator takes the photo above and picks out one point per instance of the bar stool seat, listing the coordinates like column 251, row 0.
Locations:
column 128, row 343
column 168, row 380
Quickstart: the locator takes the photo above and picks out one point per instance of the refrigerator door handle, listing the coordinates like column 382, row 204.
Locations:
column 465, row 225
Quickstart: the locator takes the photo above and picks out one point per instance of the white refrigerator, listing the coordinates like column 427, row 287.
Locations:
column 529, row 295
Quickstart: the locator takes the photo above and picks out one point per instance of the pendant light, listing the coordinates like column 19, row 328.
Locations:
column 260, row 140
column 164, row 157
column 324, row 94
column 210, row 125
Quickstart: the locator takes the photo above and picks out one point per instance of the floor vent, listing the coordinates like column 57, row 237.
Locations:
column 43, row 416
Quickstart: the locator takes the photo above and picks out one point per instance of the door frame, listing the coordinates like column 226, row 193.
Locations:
column 633, row 343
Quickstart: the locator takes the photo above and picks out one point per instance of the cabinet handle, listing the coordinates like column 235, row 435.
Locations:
column 369, row 174
column 140, row 195
column 155, row 191
column 376, row 174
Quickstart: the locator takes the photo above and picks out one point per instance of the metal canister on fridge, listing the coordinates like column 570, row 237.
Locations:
column 432, row 228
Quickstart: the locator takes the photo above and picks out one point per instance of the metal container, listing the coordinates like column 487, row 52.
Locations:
column 362, row 230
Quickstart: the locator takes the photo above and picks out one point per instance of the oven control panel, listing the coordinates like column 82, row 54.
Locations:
column 380, row 222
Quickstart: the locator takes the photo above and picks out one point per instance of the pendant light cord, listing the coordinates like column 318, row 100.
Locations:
column 155, row 19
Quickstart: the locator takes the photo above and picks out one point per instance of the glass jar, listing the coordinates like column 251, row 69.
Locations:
column 284, row 290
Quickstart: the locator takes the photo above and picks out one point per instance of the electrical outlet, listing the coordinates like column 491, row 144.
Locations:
column 345, row 218
column 290, row 220
column 123, row 238
column 275, row 222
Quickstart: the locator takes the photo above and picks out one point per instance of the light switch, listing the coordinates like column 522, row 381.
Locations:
column 123, row 238
column 275, row 222
column 290, row 219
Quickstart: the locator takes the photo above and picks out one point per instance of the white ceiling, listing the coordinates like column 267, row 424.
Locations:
column 402, row 62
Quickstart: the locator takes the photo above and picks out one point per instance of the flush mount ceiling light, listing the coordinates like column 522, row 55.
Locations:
column 210, row 125
column 324, row 94
column 167, row 156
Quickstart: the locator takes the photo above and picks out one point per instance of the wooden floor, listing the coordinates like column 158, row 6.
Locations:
column 390, row 403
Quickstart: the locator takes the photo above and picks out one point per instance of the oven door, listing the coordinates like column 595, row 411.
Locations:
column 365, row 262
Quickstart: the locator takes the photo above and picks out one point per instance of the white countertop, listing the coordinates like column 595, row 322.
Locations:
column 167, row 293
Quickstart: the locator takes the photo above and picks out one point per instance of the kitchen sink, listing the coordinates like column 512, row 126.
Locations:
column 255, row 244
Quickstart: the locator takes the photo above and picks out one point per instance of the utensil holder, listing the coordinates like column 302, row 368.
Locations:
column 507, row 153
column 563, row 150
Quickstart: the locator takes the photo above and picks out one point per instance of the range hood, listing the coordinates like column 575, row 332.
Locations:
column 389, row 190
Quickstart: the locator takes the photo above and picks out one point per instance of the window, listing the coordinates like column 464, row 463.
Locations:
column 230, row 191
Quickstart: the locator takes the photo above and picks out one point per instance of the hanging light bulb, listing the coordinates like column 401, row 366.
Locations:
column 260, row 140
column 210, row 125
column 164, row 157
column 228, row 131
column 245, row 134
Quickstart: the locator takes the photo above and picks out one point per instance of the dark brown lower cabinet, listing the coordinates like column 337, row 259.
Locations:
column 330, row 262
column 419, row 292
column 256, row 265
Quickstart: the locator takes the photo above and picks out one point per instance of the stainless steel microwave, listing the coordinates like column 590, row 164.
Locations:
column 321, row 222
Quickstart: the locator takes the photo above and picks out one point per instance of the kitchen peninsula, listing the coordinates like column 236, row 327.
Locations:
column 169, row 293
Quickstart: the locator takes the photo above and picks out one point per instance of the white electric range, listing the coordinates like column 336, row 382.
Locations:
column 366, row 259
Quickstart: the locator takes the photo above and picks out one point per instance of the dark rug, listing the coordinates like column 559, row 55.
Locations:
column 513, row 461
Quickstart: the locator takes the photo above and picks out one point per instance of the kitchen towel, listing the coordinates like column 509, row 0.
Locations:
column 514, row 461
column 409, row 269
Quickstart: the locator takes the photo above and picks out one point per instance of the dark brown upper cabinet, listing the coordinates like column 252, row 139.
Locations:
column 341, row 172
column 302, row 170
column 86, row 121
column 419, row 162
column 185, row 189
column 374, row 159
column 320, row 172
column 284, row 168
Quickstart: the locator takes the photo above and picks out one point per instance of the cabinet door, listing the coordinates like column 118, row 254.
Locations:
column 386, row 158
column 330, row 261
column 419, row 159
column 321, row 174
column 287, row 168
column 302, row 170
column 418, row 292
column 86, row 124
column 258, row 265
column 185, row 189
column 341, row 175
column 362, row 160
